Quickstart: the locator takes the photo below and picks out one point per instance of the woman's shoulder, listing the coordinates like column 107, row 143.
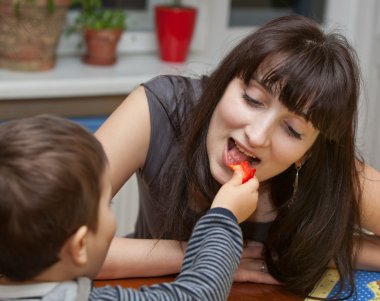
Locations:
column 171, row 79
column 368, row 174
column 174, row 96
column 169, row 86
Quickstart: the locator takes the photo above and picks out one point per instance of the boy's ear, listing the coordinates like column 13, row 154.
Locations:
column 77, row 246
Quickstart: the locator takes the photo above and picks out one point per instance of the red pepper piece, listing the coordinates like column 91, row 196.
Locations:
column 248, row 171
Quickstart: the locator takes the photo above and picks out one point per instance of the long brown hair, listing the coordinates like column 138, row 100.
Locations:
column 316, row 74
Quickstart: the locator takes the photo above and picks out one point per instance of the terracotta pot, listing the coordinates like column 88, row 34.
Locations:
column 174, row 30
column 28, row 40
column 101, row 46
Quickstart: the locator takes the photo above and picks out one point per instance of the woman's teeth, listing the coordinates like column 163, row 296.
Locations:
column 245, row 152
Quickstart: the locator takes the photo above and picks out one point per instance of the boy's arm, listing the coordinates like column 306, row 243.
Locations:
column 213, row 253
column 211, row 259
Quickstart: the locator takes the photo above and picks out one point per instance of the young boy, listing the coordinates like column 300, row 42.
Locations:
column 56, row 222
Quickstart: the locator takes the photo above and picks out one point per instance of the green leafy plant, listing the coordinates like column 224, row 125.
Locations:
column 94, row 16
column 50, row 5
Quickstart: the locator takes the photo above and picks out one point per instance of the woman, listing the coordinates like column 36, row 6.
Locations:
column 285, row 99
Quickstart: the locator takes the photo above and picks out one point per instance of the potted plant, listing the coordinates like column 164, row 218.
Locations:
column 101, row 30
column 174, row 29
column 29, row 33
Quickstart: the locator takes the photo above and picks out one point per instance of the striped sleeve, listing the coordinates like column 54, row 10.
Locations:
column 211, row 259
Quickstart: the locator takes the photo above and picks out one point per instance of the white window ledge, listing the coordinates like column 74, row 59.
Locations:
column 72, row 78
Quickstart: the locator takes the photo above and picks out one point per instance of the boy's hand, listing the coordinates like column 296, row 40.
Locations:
column 244, row 166
column 240, row 199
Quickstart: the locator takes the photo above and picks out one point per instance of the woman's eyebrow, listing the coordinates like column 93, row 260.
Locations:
column 274, row 90
column 262, row 84
column 271, row 91
column 303, row 114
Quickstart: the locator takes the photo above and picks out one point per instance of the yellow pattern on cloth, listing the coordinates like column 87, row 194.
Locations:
column 325, row 285
column 374, row 286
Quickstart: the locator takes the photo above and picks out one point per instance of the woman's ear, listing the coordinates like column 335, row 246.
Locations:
column 299, row 163
column 304, row 158
column 77, row 246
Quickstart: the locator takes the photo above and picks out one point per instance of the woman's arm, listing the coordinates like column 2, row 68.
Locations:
column 142, row 258
column 368, row 256
column 370, row 215
column 125, row 136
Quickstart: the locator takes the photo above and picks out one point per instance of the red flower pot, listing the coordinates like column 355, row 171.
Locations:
column 174, row 29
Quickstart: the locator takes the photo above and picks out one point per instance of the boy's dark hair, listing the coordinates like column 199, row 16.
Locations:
column 50, row 184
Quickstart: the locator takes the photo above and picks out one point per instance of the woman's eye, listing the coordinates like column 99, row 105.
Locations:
column 293, row 133
column 250, row 100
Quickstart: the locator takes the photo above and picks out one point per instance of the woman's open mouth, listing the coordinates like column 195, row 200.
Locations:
column 236, row 154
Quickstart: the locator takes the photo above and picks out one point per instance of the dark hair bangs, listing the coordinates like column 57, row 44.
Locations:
column 309, row 84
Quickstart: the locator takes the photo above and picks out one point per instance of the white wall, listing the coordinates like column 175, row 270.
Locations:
column 360, row 22
column 125, row 207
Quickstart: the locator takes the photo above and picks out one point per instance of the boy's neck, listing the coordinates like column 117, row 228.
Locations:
column 7, row 281
column 59, row 272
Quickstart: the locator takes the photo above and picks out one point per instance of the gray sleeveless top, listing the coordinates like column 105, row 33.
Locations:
column 167, row 108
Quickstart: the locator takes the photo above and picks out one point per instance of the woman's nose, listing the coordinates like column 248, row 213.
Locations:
column 259, row 133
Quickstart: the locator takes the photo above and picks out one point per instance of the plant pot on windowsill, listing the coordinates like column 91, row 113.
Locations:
column 101, row 29
column 29, row 33
column 174, row 31
column 101, row 46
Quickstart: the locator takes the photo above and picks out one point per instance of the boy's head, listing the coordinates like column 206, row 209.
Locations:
column 54, row 197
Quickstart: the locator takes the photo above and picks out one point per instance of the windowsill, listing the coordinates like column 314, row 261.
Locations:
column 72, row 78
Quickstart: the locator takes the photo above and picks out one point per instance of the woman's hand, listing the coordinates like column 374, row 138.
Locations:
column 252, row 266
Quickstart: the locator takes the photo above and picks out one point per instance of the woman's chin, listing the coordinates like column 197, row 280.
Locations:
column 221, row 177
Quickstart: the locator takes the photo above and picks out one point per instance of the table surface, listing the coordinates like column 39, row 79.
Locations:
column 239, row 291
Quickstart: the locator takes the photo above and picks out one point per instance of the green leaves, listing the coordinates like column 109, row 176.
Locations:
column 88, row 5
column 103, row 19
column 94, row 16
column 50, row 5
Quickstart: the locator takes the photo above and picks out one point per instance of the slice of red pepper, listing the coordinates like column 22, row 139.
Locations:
column 248, row 171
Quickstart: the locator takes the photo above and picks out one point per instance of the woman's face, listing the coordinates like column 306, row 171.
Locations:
column 249, row 123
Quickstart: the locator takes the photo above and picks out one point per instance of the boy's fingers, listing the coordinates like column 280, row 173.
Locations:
column 237, row 177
